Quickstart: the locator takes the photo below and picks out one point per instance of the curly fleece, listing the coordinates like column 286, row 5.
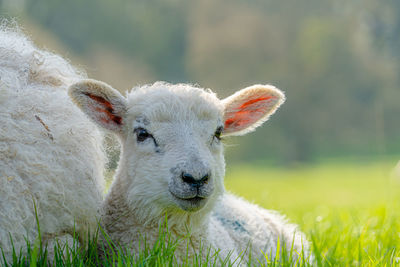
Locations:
column 50, row 153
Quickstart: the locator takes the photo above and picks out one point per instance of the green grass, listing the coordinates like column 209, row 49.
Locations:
column 349, row 211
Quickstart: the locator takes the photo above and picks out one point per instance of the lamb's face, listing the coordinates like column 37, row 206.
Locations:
column 172, row 146
column 172, row 156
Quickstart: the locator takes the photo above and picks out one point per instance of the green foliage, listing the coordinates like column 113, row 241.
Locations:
column 337, row 61
column 148, row 31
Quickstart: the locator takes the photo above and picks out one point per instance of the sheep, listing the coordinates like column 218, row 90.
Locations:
column 51, row 157
column 172, row 166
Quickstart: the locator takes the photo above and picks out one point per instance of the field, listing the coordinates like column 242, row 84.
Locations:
column 349, row 211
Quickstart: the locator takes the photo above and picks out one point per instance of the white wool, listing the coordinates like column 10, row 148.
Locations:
column 50, row 153
column 181, row 121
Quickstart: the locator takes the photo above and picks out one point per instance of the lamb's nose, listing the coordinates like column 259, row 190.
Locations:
column 189, row 179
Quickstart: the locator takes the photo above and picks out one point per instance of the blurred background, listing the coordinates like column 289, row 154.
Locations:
column 337, row 61
column 327, row 158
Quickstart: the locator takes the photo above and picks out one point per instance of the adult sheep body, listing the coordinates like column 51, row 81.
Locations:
column 50, row 153
column 172, row 165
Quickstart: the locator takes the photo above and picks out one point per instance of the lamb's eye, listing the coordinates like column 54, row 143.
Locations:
column 141, row 134
column 218, row 132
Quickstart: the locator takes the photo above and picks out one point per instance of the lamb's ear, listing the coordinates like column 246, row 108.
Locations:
column 102, row 103
column 250, row 107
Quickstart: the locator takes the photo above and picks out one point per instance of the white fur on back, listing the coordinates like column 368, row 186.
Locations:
column 50, row 153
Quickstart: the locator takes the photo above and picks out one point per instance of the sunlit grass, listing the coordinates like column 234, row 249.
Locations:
column 349, row 212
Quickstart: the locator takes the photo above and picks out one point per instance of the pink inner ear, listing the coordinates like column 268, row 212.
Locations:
column 106, row 108
column 241, row 118
column 248, row 103
column 247, row 114
column 110, row 116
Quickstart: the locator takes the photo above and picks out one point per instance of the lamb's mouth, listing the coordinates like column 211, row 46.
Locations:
column 190, row 204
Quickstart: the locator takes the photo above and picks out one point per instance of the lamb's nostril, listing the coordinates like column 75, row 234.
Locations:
column 188, row 178
column 205, row 178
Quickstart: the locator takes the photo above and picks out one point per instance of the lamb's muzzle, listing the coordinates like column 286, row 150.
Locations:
column 191, row 191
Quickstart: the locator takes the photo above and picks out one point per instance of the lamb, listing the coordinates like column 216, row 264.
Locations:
column 51, row 155
column 172, row 166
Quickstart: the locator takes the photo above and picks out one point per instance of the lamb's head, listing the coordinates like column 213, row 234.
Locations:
column 172, row 155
